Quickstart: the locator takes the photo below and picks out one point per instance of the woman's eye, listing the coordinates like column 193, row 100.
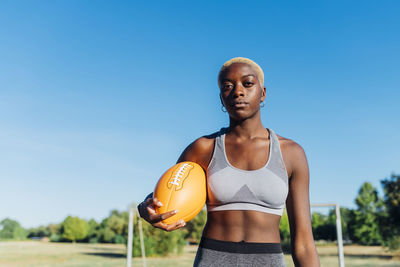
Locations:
column 227, row 86
column 248, row 83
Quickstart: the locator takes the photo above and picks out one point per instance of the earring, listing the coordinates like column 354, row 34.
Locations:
column 262, row 104
column 223, row 108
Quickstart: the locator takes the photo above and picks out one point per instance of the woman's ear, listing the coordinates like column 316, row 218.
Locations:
column 263, row 93
column 220, row 99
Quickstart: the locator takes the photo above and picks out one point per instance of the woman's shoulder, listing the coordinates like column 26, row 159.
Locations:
column 206, row 141
column 289, row 145
column 293, row 153
column 200, row 150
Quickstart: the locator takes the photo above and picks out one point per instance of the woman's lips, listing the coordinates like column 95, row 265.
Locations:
column 239, row 104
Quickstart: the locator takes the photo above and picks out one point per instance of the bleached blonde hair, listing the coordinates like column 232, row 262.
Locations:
column 256, row 67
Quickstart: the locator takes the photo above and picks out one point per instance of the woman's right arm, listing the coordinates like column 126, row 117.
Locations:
column 200, row 151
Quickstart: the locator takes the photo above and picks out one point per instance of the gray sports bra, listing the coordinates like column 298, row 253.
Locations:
column 230, row 188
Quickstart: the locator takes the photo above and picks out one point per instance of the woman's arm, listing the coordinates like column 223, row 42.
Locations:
column 304, row 252
column 200, row 151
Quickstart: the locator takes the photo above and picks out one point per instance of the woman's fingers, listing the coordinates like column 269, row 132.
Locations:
column 150, row 209
column 170, row 227
column 168, row 214
column 153, row 202
column 157, row 202
column 156, row 219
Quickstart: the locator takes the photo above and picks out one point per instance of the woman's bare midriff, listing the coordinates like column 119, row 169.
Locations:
column 242, row 225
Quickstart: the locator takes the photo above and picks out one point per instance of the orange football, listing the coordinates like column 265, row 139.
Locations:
column 182, row 188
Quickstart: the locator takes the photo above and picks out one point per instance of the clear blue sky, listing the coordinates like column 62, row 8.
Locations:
column 99, row 98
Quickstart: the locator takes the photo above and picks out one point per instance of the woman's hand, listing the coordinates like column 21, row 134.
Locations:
column 147, row 211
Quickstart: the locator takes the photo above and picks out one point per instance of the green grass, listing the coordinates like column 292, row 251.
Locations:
column 35, row 253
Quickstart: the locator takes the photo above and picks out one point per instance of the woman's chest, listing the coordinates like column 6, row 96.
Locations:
column 250, row 155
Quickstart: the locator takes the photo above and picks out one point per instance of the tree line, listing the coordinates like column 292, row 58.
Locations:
column 374, row 221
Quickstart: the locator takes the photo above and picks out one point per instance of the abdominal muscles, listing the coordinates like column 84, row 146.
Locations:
column 243, row 225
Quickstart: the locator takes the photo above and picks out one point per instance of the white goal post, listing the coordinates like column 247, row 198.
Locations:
column 132, row 214
column 338, row 230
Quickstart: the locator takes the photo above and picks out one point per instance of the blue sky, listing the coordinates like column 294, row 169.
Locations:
column 99, row 98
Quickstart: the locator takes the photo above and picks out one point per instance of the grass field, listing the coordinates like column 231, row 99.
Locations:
column 35, row 253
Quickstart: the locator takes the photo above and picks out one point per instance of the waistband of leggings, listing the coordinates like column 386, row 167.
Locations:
column 240, row 247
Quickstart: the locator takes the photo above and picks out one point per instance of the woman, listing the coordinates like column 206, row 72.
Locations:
column 251, row 174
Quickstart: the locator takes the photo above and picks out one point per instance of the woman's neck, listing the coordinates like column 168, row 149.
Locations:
column 248, row 128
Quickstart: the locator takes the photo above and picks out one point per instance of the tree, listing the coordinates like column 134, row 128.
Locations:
column 323, row 226
column 284, row 231
column 10, row 229
column 365, row 220
column 40, row 231
column 114, row 228
column 53, row 228
column 74, row 229
column 55, row 232
column 157, row 242
column 391, row 222
column 93, row 231
column 195, row 227
column 284, row 228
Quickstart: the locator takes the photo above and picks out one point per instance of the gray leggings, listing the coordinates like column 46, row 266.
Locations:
column 213, row 252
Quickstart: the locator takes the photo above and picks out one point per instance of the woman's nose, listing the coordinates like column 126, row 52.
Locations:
column 238, row 91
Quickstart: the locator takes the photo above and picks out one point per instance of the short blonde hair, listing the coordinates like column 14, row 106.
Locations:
column 256, row 67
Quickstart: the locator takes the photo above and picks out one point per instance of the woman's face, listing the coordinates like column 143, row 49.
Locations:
column 241, row 91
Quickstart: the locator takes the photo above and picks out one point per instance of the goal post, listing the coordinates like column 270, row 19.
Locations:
column 132, row 215
column 338, row 230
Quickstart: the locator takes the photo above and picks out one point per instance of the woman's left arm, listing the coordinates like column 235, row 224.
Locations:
column 303, row 248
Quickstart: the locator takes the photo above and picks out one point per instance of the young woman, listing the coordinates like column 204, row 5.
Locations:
column 251, row 173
